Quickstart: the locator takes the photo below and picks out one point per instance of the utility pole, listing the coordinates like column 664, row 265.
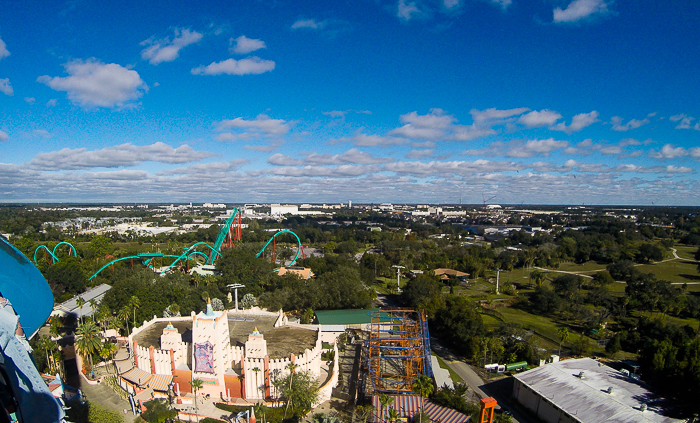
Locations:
column 498, row 274
column 235, row 287
column 398, row 277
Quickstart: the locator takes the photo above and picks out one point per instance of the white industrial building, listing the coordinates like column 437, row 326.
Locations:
column 586, row 391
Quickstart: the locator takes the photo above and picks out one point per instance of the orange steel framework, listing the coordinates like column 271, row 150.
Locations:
column 398, row 350
column 234, row 234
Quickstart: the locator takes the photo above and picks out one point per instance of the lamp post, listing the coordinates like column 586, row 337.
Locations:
column 235, row 287
column 498, row 274
column 398, row 277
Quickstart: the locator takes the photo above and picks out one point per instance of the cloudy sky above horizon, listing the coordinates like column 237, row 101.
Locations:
column 404, row 101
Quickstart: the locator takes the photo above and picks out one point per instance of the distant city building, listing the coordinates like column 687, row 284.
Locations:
column 214, row 206
column 280, row 210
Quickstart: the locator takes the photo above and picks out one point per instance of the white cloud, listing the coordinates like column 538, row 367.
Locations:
column 30, row 100
column 207, row 168
column 676, row 118
column 493, row 115
column 352, row 156
column 262, row 125
column 611, row 150
column 363, row 140
column 309, row 24
column 3, row 49
column 4, row 136
column 120, row 155
column 432, row 125
column 51, row 102
column 6, row 87
column 92, row 83
column 248, row 66
column 617, row 124
column 535, row 147
column 245, row 45
column 407, row 11
column 536, row 119
column 668, row 151
column 685, row 122
column 581, row 9
column 469, row 132
column 578, row 122
column 419, row 154
column 629, row 141
column 167, row 50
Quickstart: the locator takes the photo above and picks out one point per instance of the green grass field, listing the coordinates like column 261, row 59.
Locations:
column 686, row 251
column 675, row 271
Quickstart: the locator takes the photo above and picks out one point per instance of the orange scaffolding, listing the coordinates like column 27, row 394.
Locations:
column 398, row 350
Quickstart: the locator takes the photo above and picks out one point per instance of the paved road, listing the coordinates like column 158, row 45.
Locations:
column 500, row 390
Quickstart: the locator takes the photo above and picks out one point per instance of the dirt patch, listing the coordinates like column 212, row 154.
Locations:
column 281, row 342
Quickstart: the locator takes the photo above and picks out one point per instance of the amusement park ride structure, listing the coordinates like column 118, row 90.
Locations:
column 229, row 232
column 398, row 350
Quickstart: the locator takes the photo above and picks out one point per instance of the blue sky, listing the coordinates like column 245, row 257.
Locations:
column 416, row 101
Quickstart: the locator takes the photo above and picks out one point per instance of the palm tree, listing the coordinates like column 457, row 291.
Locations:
column 384, row 400
column 423, row 385
column 93, row 306
column 134, row 303
column 107, row 351
column 80, row 301
column 87, row 339
column 196, row 385
column 260, row 410
column 55, row 327
column 124, row 314
column 364, row 411
column 563, row 336
column 394, row 416
column 290, row 367
column 45, row 343
column 257, row 370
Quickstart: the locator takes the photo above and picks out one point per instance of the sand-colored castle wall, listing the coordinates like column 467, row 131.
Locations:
column 324, row 393
column 135, row 331
column 161, row 358
column 143, row 358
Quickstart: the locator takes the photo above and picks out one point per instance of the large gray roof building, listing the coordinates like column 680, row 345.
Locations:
column 586, row 391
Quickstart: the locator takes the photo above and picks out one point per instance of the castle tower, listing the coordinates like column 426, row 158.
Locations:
column 211, row 350
column 255, row 358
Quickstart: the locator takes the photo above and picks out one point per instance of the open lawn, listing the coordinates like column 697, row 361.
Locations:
column 543, row 326
column 668, row 319
column 686, row 251
column 587, row 268
column 675, row 271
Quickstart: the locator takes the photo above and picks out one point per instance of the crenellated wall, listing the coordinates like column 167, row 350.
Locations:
column 143, row 358
column 161, row 359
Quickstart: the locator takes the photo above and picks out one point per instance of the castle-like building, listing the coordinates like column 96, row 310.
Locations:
column 228, row 372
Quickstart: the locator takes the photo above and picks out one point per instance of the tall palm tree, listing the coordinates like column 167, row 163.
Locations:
column 134, row 303
column 93, row 306
column 563, row 336
column 80, row 301
column 107, row 351
column 423, row 385
column 196, row 385
column 87, row 339
column 45, row 343
column 291, row 367
column 257, row 370
column 124, row 314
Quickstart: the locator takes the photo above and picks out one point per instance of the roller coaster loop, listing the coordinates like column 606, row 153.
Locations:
column 52, row 253
column 299, row 250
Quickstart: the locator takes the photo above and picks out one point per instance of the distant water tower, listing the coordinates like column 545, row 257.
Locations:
column 350, row 204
